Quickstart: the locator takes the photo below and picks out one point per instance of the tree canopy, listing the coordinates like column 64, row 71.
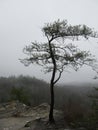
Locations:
column 65, row 54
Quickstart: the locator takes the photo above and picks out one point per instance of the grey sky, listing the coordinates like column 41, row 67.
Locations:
column 21, row 22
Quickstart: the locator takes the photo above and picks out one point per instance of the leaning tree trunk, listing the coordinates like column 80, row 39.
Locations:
column 51, row 117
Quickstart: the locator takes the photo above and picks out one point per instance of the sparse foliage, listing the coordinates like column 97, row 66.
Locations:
column 56, row 56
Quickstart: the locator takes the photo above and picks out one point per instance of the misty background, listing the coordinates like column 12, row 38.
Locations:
column 21, row 22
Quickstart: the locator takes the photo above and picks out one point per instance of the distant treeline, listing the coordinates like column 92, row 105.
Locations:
column 24, row 88
column 33, row 91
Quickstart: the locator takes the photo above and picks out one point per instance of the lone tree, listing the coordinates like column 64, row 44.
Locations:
column 56, row 55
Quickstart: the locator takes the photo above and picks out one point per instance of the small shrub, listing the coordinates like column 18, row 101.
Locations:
column 20, row 94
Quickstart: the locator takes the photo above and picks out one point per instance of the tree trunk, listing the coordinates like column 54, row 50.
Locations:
column 51, row 117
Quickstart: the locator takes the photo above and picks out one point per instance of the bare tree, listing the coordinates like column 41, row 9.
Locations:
column 56, row 55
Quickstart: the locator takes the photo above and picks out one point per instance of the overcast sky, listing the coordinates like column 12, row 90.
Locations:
column 21, row 22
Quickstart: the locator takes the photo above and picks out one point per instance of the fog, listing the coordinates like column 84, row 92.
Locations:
column 21, row 22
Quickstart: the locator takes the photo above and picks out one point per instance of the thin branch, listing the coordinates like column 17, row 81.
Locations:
column 60, row 73
column 57, row 78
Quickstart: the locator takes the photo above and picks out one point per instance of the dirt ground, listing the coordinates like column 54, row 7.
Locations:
column 13, row 123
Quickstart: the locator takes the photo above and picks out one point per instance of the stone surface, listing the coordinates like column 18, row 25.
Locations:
column 18, row 116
